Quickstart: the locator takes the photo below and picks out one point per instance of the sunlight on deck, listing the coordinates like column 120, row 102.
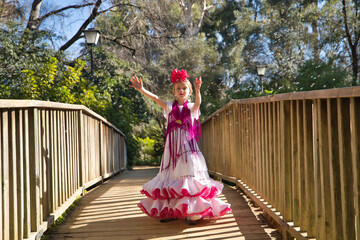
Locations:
column 110, row 212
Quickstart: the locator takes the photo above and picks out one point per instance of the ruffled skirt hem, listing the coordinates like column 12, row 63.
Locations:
column 170, row 193
column 187, row 187
column 167, row 213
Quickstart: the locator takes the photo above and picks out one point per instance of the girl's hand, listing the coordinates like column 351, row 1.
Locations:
column 197, row 83
column 136, row 83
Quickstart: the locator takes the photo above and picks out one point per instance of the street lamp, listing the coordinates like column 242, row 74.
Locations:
column 261, row 72
column 92, row 37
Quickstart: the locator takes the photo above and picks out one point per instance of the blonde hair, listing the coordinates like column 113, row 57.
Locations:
column 188, row 83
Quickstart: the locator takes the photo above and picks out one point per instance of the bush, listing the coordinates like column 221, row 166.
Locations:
column 147, row 153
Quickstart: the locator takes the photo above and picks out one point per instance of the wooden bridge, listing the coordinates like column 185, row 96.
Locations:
column 110, row 212
column 296, row 156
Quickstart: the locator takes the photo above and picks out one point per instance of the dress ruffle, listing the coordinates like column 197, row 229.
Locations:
column 184, row 207
column 183, row 198
column 187, row 187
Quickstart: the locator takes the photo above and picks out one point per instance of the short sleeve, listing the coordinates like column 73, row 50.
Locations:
column 194, row 115
column 167, row 110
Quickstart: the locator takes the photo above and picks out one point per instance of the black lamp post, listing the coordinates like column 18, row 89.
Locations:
column 261, row 72
column 92, row 37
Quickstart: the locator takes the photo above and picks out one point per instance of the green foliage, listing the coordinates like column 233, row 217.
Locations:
column 199, row 58
column 31, row 71
column 60, row 219
column 21, row 52
column 126, row 107
column 245, row 90
column 313, row 76
column 147, row 152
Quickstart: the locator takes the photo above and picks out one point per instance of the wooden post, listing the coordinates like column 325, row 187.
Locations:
column 43, row 131
column 279, row 194
column 286, row 180
column 271, row 142
column 20, row 171
column 346, row 169
column 5, row 174
column 257, row 150
column 1, row 179
column 309, row 167
column 294, row 163
column 355, row 151
column 81, row 148
column 26, row 173
column 334, row 169
column 34, row 157
column 319, row 216
column 101, row 150
column 13, row 178
column 265, row 155
column 324, row 168
column 300, row 159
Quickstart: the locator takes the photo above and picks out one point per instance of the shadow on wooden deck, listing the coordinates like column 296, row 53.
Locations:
column 110, row 212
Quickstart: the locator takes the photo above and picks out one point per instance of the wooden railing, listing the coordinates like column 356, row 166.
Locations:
column 297, row 155
column 50, row 152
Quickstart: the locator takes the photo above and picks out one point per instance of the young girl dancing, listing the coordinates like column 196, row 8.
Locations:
column 182, row 188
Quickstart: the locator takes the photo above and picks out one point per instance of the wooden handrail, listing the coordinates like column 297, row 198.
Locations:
column 309, row 95
column 50, row 152
column 297, row 155
column 17, row 103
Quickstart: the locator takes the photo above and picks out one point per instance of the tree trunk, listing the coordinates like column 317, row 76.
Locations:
column 34, row 15
column 353, row 43
column 355, row 65
column 315, row 38
column 193, row 29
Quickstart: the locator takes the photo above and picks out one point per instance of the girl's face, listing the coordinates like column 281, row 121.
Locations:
column 181, row 91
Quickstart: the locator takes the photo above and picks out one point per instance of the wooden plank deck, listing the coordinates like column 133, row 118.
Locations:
column 110, row 212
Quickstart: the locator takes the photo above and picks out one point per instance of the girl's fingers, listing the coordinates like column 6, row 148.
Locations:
column 136, row 82
column 198, row 82
column 136, row 79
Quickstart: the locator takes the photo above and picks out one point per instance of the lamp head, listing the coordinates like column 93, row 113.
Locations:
column 92, row 36
column 261, row 70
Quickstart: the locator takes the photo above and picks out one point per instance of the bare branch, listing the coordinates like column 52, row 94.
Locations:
column 39, row 20
column 77, row 35
column 347, row 30
column 117, row 5
column 117, row 40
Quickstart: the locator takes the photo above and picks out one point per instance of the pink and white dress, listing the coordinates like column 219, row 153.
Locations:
column 182, row 188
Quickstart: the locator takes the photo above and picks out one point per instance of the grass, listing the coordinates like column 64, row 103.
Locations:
column 47, row 234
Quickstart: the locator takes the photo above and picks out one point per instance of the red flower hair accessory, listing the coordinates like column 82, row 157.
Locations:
column 177, row 76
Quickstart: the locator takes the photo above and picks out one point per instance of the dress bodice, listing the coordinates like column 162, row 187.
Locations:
column 181, row 132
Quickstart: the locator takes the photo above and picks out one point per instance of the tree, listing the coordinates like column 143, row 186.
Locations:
column 10, row 10
column 126, row 107
column 313, row 76
column 350, row 18
column 19, row 52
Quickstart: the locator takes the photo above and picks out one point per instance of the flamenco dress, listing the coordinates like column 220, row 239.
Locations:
column 182, row 188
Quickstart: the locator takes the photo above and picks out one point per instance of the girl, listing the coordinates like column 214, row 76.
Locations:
column 182, row 188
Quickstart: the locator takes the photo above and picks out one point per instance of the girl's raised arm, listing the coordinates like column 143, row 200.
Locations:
column 197, row 103
column 138, row 85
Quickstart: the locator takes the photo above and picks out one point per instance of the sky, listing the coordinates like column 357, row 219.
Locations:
column 64, row 27
column 68, row 26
